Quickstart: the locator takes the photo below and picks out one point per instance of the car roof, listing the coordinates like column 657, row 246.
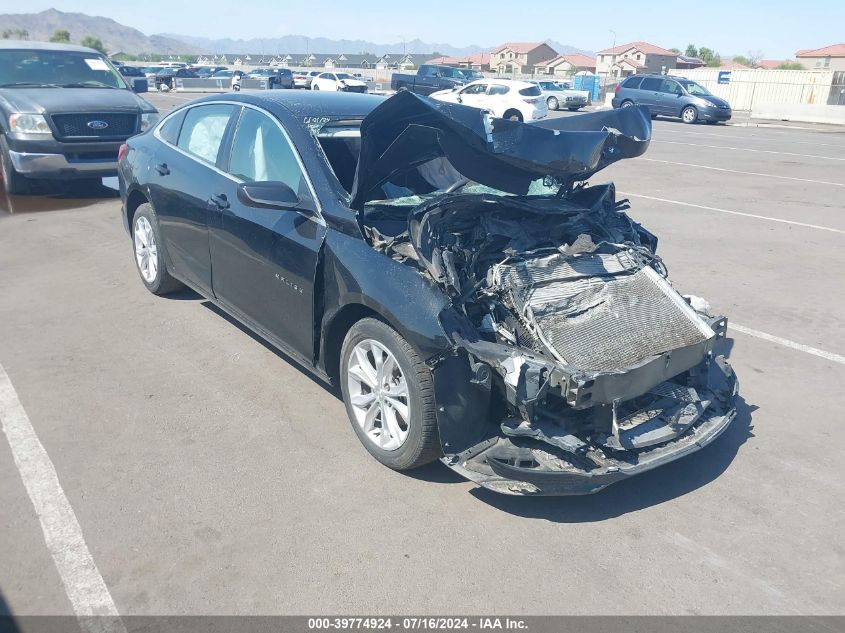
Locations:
column 514, row 83
column 44, row 46
column 302, row 103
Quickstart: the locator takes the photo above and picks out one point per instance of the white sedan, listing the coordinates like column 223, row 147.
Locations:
column 338, row 82
column 504, row 98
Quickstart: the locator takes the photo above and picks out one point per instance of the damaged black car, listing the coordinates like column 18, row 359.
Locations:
column 475, row 300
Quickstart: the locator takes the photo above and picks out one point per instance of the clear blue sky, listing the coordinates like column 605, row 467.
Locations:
column 776, row 27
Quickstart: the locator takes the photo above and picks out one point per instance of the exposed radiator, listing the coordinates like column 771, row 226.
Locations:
column 600, row 312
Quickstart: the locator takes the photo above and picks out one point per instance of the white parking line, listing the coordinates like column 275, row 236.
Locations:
column 85, row 588
column 836, row 358
column 780, row 139
column 746, row 173
column 749, row 149
column 747, row 215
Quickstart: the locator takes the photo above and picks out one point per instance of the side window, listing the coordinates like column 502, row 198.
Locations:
column 498, row 89
column 651, row 83
column 425, row 71
column 671, row 87
column 169, row 130
column 475, row 89
column 261, row 152
column 203, row 129
column 633, row 82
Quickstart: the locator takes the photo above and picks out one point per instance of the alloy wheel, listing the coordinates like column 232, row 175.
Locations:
column 689, row 115
column 378, row 394
column 146, row 252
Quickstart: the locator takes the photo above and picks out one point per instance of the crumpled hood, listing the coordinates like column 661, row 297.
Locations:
column 56, row 100
column 408, row 129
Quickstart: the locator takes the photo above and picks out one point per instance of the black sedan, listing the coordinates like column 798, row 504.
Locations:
column 474, row 300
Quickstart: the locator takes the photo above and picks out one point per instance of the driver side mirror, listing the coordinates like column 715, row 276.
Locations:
column 268, row 195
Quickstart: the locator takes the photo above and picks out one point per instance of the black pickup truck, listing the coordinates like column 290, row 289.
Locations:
column 433, row 77
column 64, row 113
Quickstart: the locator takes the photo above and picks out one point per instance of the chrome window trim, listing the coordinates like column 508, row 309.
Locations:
column 318, row 218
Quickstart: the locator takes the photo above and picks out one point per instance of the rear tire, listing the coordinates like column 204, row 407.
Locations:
column 148, row 246
column 575, row 109
column 552, row 102
column 315, row 87
column 513, row 115
column 14, row 183
column 627, row 104
column 416, row 433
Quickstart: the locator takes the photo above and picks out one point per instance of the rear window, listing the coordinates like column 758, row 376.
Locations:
column 531, row 91
column 632, row 82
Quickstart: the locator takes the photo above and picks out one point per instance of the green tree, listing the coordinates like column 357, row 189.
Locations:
column 677, row 51
column 60, row 36
column 15, row 34
column 790, row 66
column 691, row 51
column 742, row 59
column 93, row 42
column 709, row 57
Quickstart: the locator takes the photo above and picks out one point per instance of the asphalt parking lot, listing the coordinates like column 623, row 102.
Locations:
column 208, row 475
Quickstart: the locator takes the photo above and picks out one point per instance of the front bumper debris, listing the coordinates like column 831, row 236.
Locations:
column 545, row 459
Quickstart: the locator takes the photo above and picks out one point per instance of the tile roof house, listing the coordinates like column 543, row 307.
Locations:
column 827, row 58
column 565, row 65
column 520, row 57
column 634, row 57
column 479, row 61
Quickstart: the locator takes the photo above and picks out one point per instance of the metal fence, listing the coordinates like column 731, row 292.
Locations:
column 748, row 89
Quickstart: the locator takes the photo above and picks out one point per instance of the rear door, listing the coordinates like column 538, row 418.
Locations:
column 265, row 260
column 183, row 175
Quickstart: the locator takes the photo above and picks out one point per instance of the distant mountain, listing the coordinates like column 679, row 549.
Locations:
column 297, row 44
column 565, row 49
column 115, row 36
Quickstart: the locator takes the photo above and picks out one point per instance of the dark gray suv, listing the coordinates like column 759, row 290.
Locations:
column 672, row 96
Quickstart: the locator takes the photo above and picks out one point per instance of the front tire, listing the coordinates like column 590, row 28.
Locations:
column 149, row 253
column 14, row 183
column 689, row 115
column 389, row 396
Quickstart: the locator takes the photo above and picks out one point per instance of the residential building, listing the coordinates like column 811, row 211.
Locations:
column 635, row 57
column 827, row 58
column 520, row 57
column 566, row 65
column 479, row 61
column 687, row 63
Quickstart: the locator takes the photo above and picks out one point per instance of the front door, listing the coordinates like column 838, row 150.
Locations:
column 670, row 98
column 474, row 95
column 649, row 93
column 264, row 260
column 183, row 169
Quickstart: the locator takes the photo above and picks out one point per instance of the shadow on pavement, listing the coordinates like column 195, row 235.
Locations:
column 220, row 312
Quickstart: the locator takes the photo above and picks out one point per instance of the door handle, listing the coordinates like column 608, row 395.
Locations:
column 163, row 169
column 220, row 200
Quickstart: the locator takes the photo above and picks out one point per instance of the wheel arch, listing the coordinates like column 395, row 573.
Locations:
column 134, row 199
